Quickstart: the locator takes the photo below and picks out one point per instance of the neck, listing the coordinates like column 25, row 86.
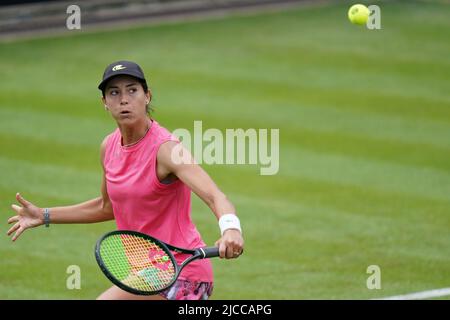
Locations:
column 133, row 134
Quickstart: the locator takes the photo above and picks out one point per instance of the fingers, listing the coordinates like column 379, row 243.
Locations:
column 232, row 252
column 13, row 229
column 16, row 208
column 17, row 229
column 225, row 251
column 13, row 219
column 18, row 233
column 229, row 249
column 222, row 249
column 21, row 200
column 237, row 252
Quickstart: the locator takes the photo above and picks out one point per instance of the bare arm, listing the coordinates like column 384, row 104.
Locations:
column 95, row 210
column 203, row 186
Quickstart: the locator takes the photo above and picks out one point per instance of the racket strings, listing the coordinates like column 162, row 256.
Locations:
column 137, row 262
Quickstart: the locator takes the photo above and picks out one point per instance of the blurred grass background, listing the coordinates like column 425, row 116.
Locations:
column 364, row 119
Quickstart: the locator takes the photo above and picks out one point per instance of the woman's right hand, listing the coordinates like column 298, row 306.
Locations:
column 28, row 216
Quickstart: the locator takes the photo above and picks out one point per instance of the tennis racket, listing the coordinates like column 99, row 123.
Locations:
column 141, row 264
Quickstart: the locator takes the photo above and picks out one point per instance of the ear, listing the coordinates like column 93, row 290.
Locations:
column 104, row 103
column 148, row 94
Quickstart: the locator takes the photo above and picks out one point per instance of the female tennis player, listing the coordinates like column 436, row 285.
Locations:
column 145, row 188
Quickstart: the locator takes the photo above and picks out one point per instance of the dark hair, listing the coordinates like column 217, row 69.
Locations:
column 144, row 85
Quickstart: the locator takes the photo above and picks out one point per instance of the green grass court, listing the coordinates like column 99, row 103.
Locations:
column 364, row 119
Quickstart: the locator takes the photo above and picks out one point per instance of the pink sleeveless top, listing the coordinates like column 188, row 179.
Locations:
column 142, row 203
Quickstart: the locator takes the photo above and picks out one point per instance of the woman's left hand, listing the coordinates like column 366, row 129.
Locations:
column 231, row 244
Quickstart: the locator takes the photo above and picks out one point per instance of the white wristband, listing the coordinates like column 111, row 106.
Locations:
column 229, row 221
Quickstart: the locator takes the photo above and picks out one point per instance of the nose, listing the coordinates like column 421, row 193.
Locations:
column 123, row 99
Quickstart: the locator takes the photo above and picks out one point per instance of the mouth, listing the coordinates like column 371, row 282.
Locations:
column 125, row 112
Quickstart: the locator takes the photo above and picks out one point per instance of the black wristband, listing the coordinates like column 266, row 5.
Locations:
column 47, row 217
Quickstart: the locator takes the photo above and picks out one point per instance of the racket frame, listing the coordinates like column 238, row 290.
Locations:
column 198, row 253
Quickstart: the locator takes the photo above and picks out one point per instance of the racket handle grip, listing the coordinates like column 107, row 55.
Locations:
column 210, row 252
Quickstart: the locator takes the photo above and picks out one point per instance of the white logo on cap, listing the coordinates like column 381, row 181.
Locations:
column 118, row 67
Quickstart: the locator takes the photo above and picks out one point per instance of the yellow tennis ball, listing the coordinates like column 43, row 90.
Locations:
column 358, row 14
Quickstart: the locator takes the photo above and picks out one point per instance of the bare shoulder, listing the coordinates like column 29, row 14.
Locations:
column 167, row 147
column 165, row 152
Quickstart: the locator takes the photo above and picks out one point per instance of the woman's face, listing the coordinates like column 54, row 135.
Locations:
column 125, row 98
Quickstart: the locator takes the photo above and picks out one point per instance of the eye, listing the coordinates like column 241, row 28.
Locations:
column 114, row 92
column 132, row 90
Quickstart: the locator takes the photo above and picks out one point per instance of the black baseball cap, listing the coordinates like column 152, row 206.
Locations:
column 121, row 67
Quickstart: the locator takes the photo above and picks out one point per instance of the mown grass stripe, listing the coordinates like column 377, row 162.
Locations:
column 50, row 180
column 52, row 127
